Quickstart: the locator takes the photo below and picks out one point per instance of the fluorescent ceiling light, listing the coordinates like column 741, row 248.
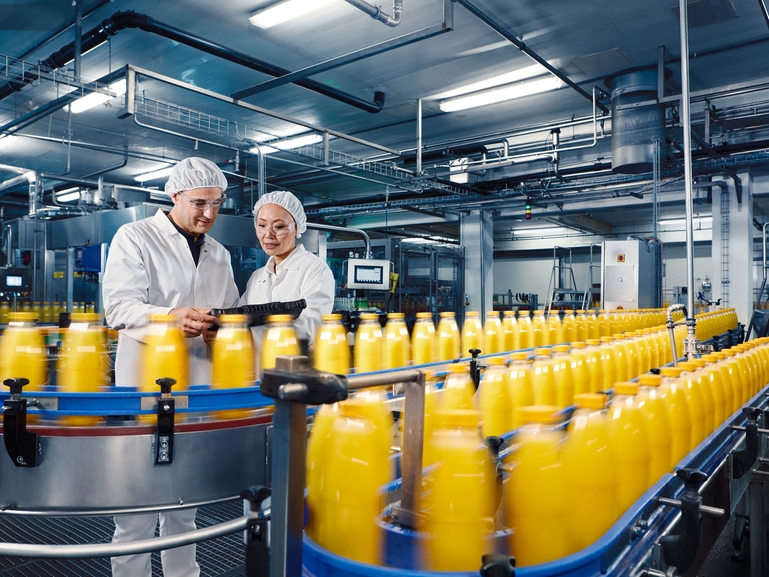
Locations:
column 95, row 98
column 69, row 194
column 548, row 231
column 288, row 144
column 500, row 94
column 284, row 11
column 418, row 240
column 675, row 221
column 154, row 175
column 7, row 140
column 502, row 79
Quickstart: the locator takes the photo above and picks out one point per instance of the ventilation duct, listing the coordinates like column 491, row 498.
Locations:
column 634, row 130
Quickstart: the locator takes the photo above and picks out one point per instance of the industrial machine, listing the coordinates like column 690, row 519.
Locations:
column 630, row 274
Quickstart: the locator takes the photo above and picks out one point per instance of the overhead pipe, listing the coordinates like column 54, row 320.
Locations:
column 376, row 12
column 129, row 19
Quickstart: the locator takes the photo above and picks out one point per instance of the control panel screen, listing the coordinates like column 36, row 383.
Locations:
column 13, row 280
column 369, row 274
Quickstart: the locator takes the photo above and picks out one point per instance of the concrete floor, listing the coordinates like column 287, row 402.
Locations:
column 724, row 561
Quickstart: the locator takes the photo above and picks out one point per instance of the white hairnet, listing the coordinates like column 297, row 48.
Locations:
column 288, row 201
column 194, row 172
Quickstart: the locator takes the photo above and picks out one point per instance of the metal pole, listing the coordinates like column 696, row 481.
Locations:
column 757, row 528
column 419, row 137
column 70, row 277
column 78, row 36
column 687, row 128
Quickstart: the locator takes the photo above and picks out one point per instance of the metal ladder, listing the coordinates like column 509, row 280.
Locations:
column 576, row 296
column 588, row 297
column 760, row 295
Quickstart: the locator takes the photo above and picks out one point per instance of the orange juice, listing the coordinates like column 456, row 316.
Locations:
column 539, row 330
column 622, row 356
column 593, row 326
column 47, row 316
column 737, row 377
column 279, row 340
column 510, row 338
column 593, row 362
column 22, row 351
column 628, row 432
column 472, row 333
column 696, row 402
column 658, row 426
column 536, row 498
column 332, row 353
column 589, row 474
column 526, row 336
column 564, row 379
column 606, row 323
column 165, row 354
column 554, row 328
column 583, row 326
column 494, row 399
column 458, row 390
column 519, row 381
column 580, row 372
column 82, row 366
column 674, row 396
column 494, row 334
column 717, row 388
column 449, row 340
column 397, row 346
column 608, row 374
column 233, row 359
column 367, row 351
column 706, row 389
column 5, row 310
column 460, row 504
column 423, row 341
column 730, row 402
column 542, row 379
column 570, row 327
column 634, row 355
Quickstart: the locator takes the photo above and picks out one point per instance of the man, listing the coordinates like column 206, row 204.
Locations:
column 167, row 264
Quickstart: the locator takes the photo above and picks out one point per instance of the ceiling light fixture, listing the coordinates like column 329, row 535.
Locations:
column 7, row 139
column 82, row 104
column 676, row 221
column 68, row 194
column 154, row 175
column 288, row 144
column 500, row 94
column 548, row 231
column 507, row 78
column 284, row 11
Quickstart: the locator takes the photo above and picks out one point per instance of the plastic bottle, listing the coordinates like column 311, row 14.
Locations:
column 555, row 333
column 354, row 447
column 717, row 389
column 56, row 311
column 570, row 327
column 622, row 358
column 696, row 402
column 458, row 390
column 397, row 345
column 47, row 313
column 658, row 426
column 164, row 356
column 423, row 339
column 737, row 377
column 511, row 339
column 536, row 497
column 367, row 351
column 635, row 361
column 674, row 397
column 449, row 339
column 332, row 353
column 542, row 379
column 279, row 340
column 472, row 333
column 460, row 504
column 234, row 359
column 562, row 374
column 494, row 399
column 539, row 330
column 519, row 381
column 628, row 432
column 583, row 326
column 726, row 380
column 593, row 362
column 82, row 365
column 580, row 372
column 593, row 325
column 494, row 335
column 589, row 473
column 526, row 336
column 5, row 310
column 705, row 383
column 606, row 323
column 608, row 374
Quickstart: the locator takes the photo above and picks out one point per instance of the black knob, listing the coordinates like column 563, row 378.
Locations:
column 16, row 384
column 165, row 384
column 692, row 479
column 494, row 443
column 752, row 412
column 475, row 353
column 498, row 566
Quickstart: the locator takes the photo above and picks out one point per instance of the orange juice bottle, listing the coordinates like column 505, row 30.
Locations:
column 606, row 323
column 658, row 426
column 593, row 326
column 583, row 326
column 460, row 504
column 609, row 365
column 730, row 401
column 279, row 340
column 653, row 349
column 367, row 351
column 737, row 377
column 449, row 340
column 628, row 431
column 82, row 365
column 233, row 359
column 674, row 396
column 5, row 310
column 332, row 353
column 317, row 445
column 47, row 316
column 397, row 345
column 536, row 499
column 423, row 341
column 164, row 356
column 495, row 336
column 472, row 333
column 519, row 381
column 510, row 338
column 593, row 362
column 717, row 388
column 589, row 473
column 622, row 356
column 526, row 336
column 22, row 351
column 539, row 330
column 708, row 394
column 542, row 379
column 458, row 390
column 345, row 516
column 494, row 399
column 564, row 379
column 695, row 400
column 634, row 355
column 554, row 328
column 580, row 372
column 569, row 326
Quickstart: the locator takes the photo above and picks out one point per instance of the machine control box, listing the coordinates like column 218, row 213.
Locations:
column 368, row 274
column 88, row 258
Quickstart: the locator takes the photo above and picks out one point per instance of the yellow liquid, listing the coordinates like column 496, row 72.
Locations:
column 629, row 436
column 655, row 414
column 23, row 354
column 511, row 340
column 397, row 347
column 280, row 340
column 719, row 394
column 526, row 336
column 593, row 327
column 82, row 367
column 543, row 382
column 457, row 393
column 539, row 330
column 233, row 364
column 332, row 353
column 555, row 333
column 521, row 391
column 583, row 327
column 368, row 347
column 608, row 367
column 570, row 332
column 164, row 355
column 674, row 397
column 495, row 335
column 449, row 340
column 622, row 361
column 589, row 479
column 593, row 363
column 472, row 334
column 696, row 406
column 423, row 342
column 564, row 380
column 494, row 402
column 580, row 372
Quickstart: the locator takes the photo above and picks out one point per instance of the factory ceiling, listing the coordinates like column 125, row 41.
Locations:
column 208, row 82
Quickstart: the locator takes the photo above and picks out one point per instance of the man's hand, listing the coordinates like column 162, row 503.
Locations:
column 209, row 337
column 193, row 321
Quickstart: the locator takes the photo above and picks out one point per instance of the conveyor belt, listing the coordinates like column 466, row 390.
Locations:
column 222, row 557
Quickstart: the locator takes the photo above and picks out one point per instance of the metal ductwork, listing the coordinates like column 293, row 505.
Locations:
column 376, row 12
column 634, row 130
column 129, row 19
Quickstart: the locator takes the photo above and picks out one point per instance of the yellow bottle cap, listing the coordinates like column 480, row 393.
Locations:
column 602, row 311
column 543, row 414
column 650, row 380
column 22, row 317
column 569, row 311
column 472, row 314
column 84, row 317
column 687, row 366
column 729, row 352
column 618, row 337
column 459, row 368
column 593, row 342
column 711, row 358
column 492, row 314
column 590, row 401
column 369, row 317
column 561, row 349
column 606, row 339
column 625, row 388
column 674, row 372
column 699, row 363
column 424, row 315
column 243, row 319
column 580, row 311
column 578, row 345
column 542, row 352
column 495, row 361
column 446, row 315
column 508, row 313
column 280, row 319
column 539, row 312
column 520, row 356
column 457, row 418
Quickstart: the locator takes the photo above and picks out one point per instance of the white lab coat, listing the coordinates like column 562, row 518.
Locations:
column 150, row 269
column 302, row 275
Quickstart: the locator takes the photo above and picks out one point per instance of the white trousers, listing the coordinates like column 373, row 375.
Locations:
column 178, row 562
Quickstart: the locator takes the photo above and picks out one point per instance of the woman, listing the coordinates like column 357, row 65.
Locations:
column 291, row 273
